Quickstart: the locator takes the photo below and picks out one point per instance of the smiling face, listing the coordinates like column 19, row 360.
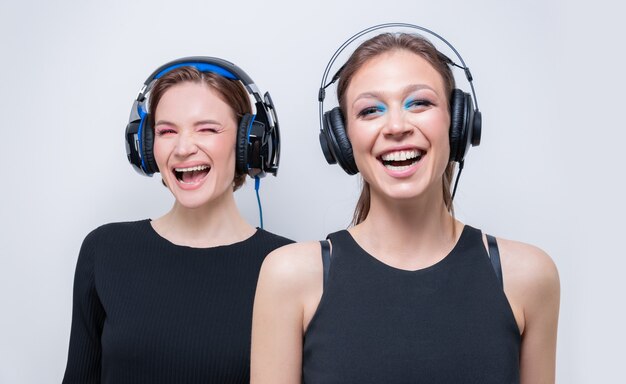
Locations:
column 194, row 143
column 397, row 118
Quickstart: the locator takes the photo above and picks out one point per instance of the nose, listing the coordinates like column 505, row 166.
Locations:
column 185, row 145
column 397, row 124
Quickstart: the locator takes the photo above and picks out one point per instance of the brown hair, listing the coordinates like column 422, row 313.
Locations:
column 377, row 46
column 231, row 92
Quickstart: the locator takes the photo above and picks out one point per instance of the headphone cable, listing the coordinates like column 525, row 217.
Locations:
column 257, row 184
column 456, row 182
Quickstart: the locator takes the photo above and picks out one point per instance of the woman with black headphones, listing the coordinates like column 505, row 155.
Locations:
column 408, row 294
column 170, row 300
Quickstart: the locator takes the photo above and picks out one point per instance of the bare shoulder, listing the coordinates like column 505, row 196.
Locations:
column 528, row 265
column 531, row 284
column 292, row 260
column 292, row 267
column 290, row 279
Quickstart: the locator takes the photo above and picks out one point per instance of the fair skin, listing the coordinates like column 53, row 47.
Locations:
column 194, row 141
column 396, row 106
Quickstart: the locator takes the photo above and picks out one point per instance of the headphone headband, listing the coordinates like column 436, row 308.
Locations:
column 258, row 138
column 322, row 92
column 215, row 65
column 465, row 118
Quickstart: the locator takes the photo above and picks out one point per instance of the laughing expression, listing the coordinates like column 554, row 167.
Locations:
column 396, row 111
column 195, row 134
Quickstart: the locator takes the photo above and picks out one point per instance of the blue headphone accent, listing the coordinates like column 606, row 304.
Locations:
column 257, row 184
column 142, row 114
column 202, row 67
column 248, row 139
column 258, row 136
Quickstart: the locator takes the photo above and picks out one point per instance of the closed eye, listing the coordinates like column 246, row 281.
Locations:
column 164, row 131
column 371, row 111
column 209, row 126
column 209, row 130
column 413, row 104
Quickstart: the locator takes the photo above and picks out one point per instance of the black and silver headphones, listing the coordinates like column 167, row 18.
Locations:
column 258, row 136
column 465, row 122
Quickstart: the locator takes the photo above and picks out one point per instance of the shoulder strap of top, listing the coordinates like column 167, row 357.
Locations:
column 325, row 259
column 494, row 255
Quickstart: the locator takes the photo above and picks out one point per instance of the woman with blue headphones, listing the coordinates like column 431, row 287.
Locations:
column 170, row 300
column 408, row 294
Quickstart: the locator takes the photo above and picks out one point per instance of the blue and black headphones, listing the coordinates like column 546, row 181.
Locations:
column 258, row 136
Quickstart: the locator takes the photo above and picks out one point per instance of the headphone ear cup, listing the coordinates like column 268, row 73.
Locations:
column 477, row 125
column 326, row 150
column 132, row 147
column 337, row 141
column 241, row 151
column 147, row 146
column 458, row 125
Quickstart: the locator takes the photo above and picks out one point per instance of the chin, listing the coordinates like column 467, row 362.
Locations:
column 195, row 199
column 192, row 203
column 403, row 196
column 406, row 191
column 397, row 193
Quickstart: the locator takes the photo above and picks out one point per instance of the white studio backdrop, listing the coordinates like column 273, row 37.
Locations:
column 549, row 82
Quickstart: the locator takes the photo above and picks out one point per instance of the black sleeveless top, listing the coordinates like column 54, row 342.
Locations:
column 448, row 323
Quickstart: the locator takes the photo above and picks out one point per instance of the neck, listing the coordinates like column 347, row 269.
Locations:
column 213, row 224
column 409, row 234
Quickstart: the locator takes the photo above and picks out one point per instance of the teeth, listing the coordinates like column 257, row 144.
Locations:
column 401, row 155
column 191, row 169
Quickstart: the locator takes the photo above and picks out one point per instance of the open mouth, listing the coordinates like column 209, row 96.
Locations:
column 401, row 160
column 191, row 175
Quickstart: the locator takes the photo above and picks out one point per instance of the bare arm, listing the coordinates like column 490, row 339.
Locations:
column 532, row 285
column 289, row 286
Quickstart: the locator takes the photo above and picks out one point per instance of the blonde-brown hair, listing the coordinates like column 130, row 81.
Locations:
column 231, row 92
column 376, row 46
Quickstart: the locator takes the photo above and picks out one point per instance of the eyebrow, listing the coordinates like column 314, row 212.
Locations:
column 201, row 122
column 408, row 89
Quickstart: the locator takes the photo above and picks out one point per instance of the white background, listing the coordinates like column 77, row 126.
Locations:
column 550, row 84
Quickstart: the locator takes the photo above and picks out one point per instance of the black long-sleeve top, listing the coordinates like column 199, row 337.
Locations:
column 149, row 311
